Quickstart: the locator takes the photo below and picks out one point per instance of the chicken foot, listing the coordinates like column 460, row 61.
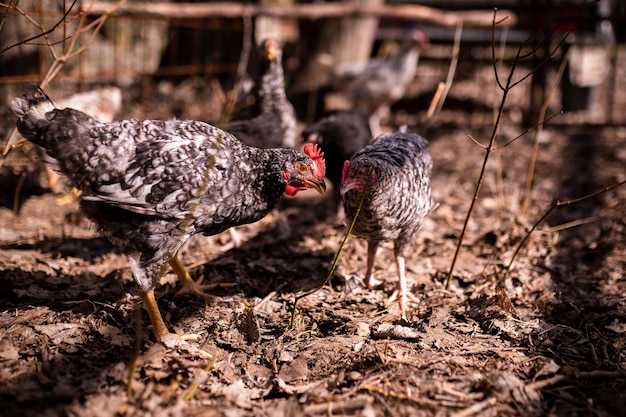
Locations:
column 159, row 328
column 188, row 285
column 401, row 293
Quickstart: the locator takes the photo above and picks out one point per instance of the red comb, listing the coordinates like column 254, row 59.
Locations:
column 271, row 49
column 316, row 154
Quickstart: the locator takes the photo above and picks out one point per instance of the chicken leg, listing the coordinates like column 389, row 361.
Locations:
column 370, row 281
column 158, row 325
column 401, row 293
column 188, row 285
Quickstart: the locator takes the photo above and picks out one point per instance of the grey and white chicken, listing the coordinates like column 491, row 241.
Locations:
column 150, row 184
column 374, row 85
column 394, row 173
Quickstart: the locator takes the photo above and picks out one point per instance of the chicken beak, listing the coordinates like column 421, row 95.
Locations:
column 318, row 184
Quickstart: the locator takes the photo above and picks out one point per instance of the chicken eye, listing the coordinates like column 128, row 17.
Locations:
column 302, row 168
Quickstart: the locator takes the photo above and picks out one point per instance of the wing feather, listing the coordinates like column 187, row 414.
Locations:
column 167, row 176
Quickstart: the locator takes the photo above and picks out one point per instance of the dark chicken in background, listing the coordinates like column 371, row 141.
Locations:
column 270, row 122
column 340, row 134
column 375, row 85
column 394, row 172
column 150, row 185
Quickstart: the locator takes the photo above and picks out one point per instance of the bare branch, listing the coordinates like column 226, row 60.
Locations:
column 451, row 71
column 476, row 142
column 554, row 205
column 59, row 61
column 551, row 55
column 528, row 130
column 506, row 88
column 45, row 32
column 494, row 61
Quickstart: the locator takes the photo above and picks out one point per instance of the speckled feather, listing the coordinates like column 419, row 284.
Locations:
column 151, row 184
column 399, row 198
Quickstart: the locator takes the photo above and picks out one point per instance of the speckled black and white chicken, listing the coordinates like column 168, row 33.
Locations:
column 394, row 172
column 374, row 85
column 270, row 122
column 340, row 134
column 150, row 185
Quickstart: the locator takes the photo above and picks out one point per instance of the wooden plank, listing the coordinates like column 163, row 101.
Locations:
column 483, row 18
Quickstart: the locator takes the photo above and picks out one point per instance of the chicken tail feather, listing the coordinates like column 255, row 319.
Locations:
column 33, row 112
column 33, row 104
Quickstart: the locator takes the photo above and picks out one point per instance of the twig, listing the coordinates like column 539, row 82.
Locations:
column 69, row 51
column 506, row 88
column 528, row 130
column 476, row 408
column 554, row 205
column 196, row 383
column 574, row 223
column 433, row 103
column 540, row 124
column 489, row 148
column 44, row 32
column 28, row 316
column 348, row 406
column 545, row 383
column 451, row 71
column 390, row 393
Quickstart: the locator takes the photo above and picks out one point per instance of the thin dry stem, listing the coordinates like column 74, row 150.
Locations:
column 44, row 32
column 506, row 88
column 488, row 149
column 69, row 50
column 528, row 130
column 336, row 260
column 554, row 205
column 540, row 124
column 451, row 71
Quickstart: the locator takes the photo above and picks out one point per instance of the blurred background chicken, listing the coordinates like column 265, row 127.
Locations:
column 374, row 85
column 270, row 121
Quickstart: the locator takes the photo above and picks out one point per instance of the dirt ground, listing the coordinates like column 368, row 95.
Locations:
column 546, row 340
